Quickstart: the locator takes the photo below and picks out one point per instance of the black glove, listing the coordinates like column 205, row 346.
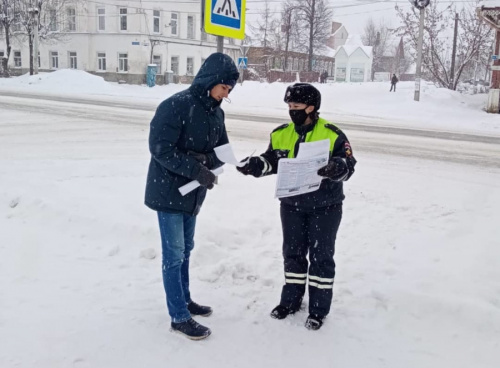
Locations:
column 201, row 158
column 206, row 178
column 253, row 167
column 335, row 170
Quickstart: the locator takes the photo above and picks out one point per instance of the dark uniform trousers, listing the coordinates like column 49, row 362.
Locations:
column 310, row 231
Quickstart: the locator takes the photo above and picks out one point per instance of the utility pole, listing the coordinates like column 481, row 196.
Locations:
column 454, row 55
column 288, row 27
column 418, row 73
column 419, row 4
column 36, row 41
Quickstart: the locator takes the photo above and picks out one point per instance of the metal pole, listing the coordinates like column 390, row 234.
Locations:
column 220, row 43
column 418, row 73
column 454, row 55
column 36, row 44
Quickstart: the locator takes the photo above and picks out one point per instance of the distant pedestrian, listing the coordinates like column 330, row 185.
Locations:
column 394, row 80
column 323, row 77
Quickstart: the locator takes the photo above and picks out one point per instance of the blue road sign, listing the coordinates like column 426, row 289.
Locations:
column 242, row 63
column 494, row 57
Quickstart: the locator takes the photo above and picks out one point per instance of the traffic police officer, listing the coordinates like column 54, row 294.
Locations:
column 309, row 221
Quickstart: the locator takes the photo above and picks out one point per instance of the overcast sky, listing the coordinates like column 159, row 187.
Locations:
column 352, row 13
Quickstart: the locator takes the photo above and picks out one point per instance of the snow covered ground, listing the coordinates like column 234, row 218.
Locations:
column 417, row 252
column 439, row 108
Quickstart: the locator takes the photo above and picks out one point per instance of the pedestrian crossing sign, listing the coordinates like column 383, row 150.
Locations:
column 242, row 63
column 225, row 18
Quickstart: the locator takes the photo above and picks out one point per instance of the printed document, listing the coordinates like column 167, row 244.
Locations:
column 192, row 185
column 225, row 154
column 300, row 175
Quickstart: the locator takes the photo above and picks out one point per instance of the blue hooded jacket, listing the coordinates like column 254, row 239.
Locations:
column 190, row 120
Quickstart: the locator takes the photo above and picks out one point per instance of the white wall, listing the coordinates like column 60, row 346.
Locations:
column 87, row 40
column 357, row 66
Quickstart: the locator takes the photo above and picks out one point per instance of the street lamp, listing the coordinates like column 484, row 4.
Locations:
column 34, row 12
column 419, row 4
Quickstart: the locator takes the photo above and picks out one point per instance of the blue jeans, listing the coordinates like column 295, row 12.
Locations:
column 177, row 239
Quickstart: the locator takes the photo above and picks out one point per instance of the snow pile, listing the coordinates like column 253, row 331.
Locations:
column 64, row 80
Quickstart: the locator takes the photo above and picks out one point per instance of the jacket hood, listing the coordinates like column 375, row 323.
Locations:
column 217, row 69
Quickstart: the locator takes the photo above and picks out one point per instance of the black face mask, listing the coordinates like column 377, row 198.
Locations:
column 298, row 117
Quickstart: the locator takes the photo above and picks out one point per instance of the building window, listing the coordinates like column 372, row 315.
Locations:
column 17, row 59
column 101, row 61
column 157, row 61
column 71, row 19
column 2, row 54
column 174, row 19
column 123, row 63
column 174, row 64
column 123, row 19
column 52, row 20
column 190, row 25
column 156, row 21
column 190, row 66
column 54, row 60
column 72, row 60
column 101, row 22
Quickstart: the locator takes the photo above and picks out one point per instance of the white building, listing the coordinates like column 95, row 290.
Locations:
column 353, row 61
column 117, row 39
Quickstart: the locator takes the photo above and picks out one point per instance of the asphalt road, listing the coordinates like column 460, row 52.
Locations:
column 470, row 149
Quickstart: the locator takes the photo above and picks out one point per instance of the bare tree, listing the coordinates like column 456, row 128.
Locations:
column 315, row 16
column 54, row 18
column 263, row 28
column 7, row 18
column 379, row 37
column 474, row 40
column 290, row 30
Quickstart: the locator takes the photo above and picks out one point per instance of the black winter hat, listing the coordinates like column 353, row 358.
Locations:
column 303, row 93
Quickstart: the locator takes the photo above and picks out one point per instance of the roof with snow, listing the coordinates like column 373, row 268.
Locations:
column 354, row 43
column 326, row 51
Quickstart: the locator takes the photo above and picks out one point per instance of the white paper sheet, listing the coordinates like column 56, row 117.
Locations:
column 225, row 153
column 189, row 187
column 300, row 175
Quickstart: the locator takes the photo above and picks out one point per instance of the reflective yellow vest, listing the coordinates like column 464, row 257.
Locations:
column 285, row 137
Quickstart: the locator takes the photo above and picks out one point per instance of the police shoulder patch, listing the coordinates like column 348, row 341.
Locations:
column 283, row 126
column 334, row 128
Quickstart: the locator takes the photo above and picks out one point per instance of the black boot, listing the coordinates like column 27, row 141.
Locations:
column 281, row 312
column 199, row 310
column 191, row 329
column 314, row 322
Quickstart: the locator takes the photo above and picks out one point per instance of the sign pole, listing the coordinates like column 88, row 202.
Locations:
column 220, row 43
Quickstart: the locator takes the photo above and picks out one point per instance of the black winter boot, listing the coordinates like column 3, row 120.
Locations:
column 199, row 310
column 191, row 329
column 314, row 322
column 281, row 312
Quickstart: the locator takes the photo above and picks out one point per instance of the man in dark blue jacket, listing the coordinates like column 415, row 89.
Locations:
column 183, row 134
